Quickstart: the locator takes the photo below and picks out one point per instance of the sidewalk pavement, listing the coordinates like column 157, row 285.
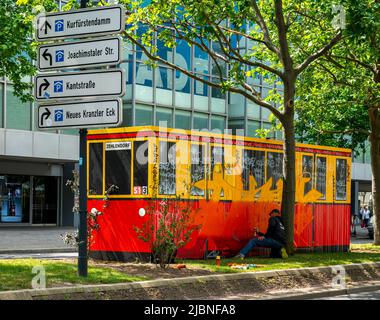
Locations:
column 29, row 240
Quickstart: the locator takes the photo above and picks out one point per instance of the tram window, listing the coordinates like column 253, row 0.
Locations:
column 274, row 167
column 140, row 167
column 341, row 179
column 217, row 157
column 321, row 176
column 167, row 173
column 198, row 155
column 307, row 172
column 118, row 166
column 253, row 164
column 96, row 169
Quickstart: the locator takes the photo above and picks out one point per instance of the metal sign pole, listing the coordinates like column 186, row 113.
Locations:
column 82, row 249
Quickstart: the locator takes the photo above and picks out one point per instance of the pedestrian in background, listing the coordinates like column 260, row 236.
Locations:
column 366, row 214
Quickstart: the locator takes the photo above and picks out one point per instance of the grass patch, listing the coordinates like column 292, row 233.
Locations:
column 17, row 274
column 358, row 254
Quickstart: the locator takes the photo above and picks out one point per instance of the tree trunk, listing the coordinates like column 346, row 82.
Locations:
column 289, row 164
column 375, row 164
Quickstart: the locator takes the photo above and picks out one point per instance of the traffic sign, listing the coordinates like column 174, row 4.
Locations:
column 71, row 85
column 80, row 23
column 100, row 113
column 86, row 53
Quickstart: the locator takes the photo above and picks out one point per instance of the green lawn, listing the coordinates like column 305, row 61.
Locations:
column 17, row 274
column 357, row 254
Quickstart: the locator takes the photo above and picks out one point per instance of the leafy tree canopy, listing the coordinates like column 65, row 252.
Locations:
column 17, row 49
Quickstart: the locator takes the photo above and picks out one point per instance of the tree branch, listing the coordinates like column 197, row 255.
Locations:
column 319, row 53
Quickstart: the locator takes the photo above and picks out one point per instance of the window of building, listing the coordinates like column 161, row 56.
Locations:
column 253, row 110
column 164, row 115
column 144, row 115
column 127, row 115
column 198, row 156
column 217, row 158
column 274, row 167
column 182, row 119
column 167, row 169
column 182, row 82
column 321, row 176
column 218, row 123
column 218, row 98
column 140, row 167
column 272, row 133
column 144, row 81
column 253, row 164
column 341, row 179
column 200, row 121
column 1, row 105
column 307, row 172
column 95, row 169
column 164, row 86
column 118, row 166
column 201, row 95
column 253, row 126
column 18, row 113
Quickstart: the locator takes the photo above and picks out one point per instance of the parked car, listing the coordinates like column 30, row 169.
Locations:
column 370, row 228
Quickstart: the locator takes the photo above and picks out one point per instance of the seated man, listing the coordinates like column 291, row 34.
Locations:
column 274, row 238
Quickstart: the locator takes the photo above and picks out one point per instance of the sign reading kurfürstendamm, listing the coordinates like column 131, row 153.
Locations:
column 80, row 23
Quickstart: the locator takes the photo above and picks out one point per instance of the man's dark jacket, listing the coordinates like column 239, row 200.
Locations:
column 276, row 230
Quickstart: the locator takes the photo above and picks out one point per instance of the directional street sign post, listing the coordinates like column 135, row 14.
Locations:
column 102, row 113
column 85, row 84
column 82, row 99
column 86, row 53
column 80, row 23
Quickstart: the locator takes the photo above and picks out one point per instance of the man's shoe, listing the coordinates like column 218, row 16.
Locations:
column 284, row 254
column 239, row 256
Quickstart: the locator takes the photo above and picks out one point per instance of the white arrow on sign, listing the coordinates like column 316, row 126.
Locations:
column 70, row 85
column 101, row 113
column 80, row 23
column 98, row 52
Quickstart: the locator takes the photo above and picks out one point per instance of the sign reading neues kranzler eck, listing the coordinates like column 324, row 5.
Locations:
column 107, row 113
column 86, row 53
column 80, row 23
column 71, row 85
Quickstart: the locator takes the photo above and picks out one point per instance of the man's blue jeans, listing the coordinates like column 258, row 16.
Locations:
column 255, row 242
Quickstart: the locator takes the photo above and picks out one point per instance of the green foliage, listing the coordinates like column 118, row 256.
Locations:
column 17, row 49
column 337, row 94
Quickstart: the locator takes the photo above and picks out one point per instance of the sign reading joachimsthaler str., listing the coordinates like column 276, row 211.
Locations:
column 71, row 85
column 102, row 113
column 86, row 53
column 80, row 23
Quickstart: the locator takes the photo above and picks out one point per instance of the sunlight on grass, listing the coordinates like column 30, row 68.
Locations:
column 17, row 274
column 358, row 254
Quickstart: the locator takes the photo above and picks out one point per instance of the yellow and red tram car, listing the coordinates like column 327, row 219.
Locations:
column 235, row 182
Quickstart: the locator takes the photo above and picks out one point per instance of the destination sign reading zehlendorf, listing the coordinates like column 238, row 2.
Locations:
column 73, row 85
column 80, row 23
column 102, row 113
column 86, row 53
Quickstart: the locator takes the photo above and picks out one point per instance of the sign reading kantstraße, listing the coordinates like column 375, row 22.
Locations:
column 71, row 85
column 102, row 113
column 86, row 53
column 80, row 23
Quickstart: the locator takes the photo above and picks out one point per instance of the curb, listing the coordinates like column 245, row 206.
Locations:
column 30, row 293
